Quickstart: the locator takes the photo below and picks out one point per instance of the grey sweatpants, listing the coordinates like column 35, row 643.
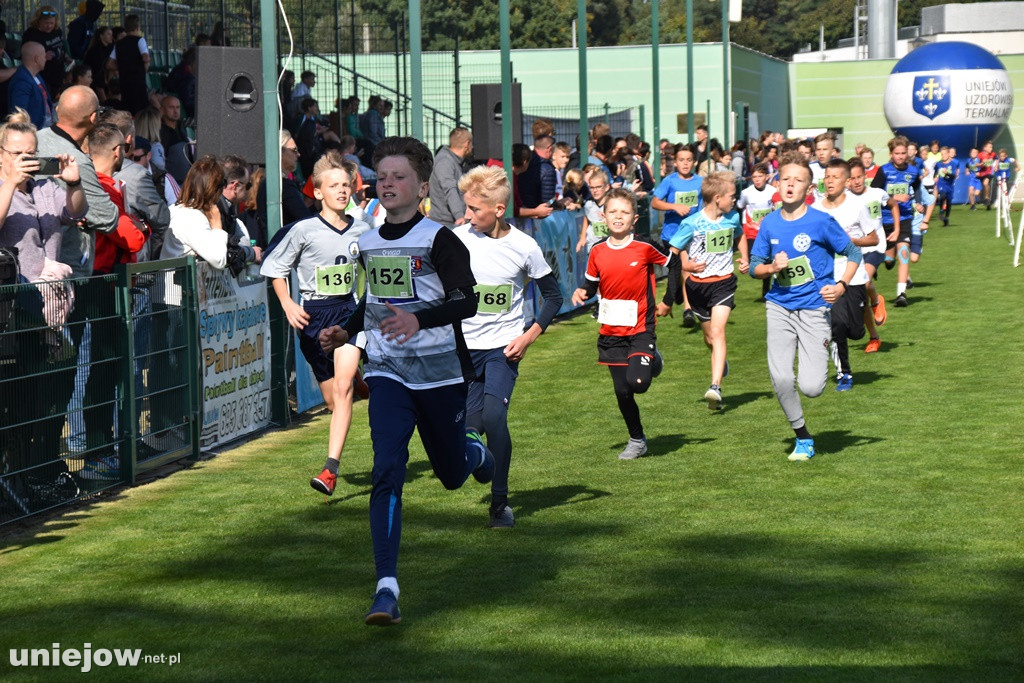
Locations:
column 808, row 331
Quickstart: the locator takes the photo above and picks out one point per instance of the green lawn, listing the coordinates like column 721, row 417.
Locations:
column 895, row 553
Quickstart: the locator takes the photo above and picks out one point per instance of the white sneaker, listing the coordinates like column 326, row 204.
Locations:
column 714, row 397
column 634, row 449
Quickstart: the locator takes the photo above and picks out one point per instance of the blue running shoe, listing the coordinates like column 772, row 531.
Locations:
column 725, row 373
column 845, row 383
column 384, row 610
column 483, row 472
column 804, row 450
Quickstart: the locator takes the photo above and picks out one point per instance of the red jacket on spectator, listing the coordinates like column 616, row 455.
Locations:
column 121, row 245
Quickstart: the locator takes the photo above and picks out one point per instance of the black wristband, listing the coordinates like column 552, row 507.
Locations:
column 843, row 283
column 73, row 184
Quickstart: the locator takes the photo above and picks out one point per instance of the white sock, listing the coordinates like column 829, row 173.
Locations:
column 901, row 288
column 389, row 582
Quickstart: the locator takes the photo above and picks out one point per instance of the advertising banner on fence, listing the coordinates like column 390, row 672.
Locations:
column 557, row 236
column 234, row 354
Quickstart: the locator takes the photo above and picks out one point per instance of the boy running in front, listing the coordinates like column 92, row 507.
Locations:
column 323, row 251
column 848, row 311
column 797, row 245
column 705, row 243
column 419, row 288
column 622, row 269
column 502, row 258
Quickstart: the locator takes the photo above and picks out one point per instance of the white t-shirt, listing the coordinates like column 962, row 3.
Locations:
column 852, row 217
column 874, row 198
column 755, row 205
column 597, row 227
column 928, row 177
column 818, row 180
column 500, row 267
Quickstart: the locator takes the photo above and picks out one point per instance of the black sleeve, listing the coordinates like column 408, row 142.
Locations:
column 354, row 325
column 878, row 180
column 293, row 208
column 552, row 294
column 459, row 305
column 675, row 272
column 590, row 287
column 451, row 258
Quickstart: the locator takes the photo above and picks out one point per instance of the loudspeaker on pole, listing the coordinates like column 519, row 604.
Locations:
column 229, row 111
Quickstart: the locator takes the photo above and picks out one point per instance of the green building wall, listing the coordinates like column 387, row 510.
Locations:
column 783, row 95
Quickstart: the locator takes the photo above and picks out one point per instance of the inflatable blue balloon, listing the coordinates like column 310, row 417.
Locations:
column 957, row 93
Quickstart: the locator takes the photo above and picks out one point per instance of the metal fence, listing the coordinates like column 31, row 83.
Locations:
column 98, row 383
column 566, row 120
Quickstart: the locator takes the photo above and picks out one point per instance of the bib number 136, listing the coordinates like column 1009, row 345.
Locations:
column 389, row 277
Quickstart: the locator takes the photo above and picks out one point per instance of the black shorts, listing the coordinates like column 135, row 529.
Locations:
column 618, row 350
column 906, row 230
column 323, row 313
column 848, row 313
column 704, row 296
column 874, row 258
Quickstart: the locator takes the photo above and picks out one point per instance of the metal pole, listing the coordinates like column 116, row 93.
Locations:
column 252, row 23
column 458, row 88
column 642, row 126
column 272, row 143
column 727, row 111
column 416, row 66
column 337, row 63
column 352, row 33
column 167, row 35
column 302, row 32
column 656, row 91
column 223, row 22
column 690, row 127
column 506, row 93
column 405, row 73
column 399, row 105
column 707, row 122
column 581, row 42
column 271, row 122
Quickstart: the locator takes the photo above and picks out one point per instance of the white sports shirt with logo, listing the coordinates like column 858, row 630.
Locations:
column 854, row 219
column 501, row 267
column 874, row 198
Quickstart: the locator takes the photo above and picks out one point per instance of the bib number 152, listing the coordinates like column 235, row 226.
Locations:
column 389, row 277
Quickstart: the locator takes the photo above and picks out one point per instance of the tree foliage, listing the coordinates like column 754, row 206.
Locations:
column 775, row 27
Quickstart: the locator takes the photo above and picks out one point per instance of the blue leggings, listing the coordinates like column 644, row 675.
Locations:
column 394, row 411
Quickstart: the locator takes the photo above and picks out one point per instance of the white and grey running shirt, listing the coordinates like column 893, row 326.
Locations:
column 324, row 257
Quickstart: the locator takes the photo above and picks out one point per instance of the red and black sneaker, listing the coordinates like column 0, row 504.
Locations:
column 324, row 482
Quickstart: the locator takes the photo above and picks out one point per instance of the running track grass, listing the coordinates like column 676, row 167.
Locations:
column 895, row 553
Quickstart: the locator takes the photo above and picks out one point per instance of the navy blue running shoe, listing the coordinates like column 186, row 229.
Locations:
column 384, row 610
